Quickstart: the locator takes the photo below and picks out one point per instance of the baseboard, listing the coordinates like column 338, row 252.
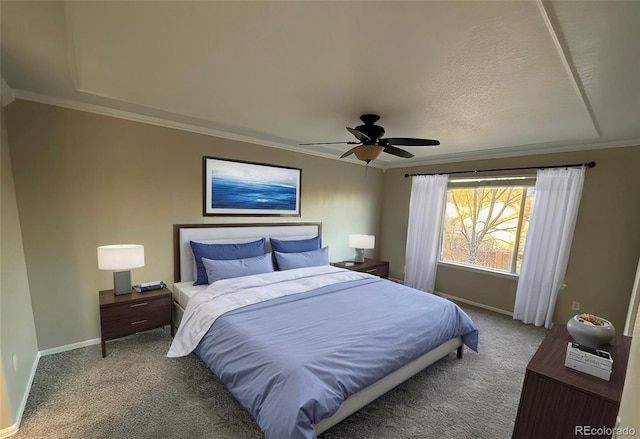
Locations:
column 9, row 431
column 13, row 429
column 69, row 347
column 468, row 302
column 23, row 404
column 476, row 304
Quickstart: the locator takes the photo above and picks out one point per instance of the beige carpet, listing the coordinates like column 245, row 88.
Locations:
column 136, row 392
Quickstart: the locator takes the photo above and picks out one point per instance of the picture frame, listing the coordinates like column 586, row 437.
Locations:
column 235, row 187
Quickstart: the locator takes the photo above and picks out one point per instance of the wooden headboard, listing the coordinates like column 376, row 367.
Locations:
column 230, row 233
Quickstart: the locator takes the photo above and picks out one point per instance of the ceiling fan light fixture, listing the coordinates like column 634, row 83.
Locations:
column 371, row 143
column 367, row 153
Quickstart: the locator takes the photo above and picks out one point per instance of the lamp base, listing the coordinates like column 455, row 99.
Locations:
column 121, row 282
column 359, row 257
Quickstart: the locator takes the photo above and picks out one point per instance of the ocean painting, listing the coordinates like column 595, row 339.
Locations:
column 233, row 187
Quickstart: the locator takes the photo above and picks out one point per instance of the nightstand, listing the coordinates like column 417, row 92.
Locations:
column 127, row 314
column 555, row 399
column 372, row 266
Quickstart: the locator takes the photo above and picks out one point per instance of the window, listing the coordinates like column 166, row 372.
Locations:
column 486, row 222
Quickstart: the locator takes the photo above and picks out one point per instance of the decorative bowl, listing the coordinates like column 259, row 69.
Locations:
column 590, row 330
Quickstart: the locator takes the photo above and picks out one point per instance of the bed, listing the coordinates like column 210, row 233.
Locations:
column 302, row 349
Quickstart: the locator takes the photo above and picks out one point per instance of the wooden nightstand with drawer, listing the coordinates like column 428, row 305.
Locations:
column 556, row 400
column 127, row 314
column 372, row 266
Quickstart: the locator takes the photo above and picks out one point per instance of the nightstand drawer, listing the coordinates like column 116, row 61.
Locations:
column 130, row 325
column 127, row 314
column 137, row 310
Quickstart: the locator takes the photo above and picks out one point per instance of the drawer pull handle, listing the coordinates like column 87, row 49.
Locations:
column 138, row 322
column 138, row 304
column 373, row 270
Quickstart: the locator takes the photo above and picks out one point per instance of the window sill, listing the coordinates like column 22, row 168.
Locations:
column 486, row 271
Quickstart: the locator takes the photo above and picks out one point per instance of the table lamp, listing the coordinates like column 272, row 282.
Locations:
column 121, row 258
column 360, row 243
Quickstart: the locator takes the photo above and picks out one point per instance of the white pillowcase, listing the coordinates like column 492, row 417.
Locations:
column 313, row 258
column 226, row 269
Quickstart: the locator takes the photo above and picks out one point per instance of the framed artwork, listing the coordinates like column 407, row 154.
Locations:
column 232, row 187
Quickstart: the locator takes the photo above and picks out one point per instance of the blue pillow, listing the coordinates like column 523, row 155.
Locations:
column 227, row 269
column 223, row 252
column 313, row 258
column 295, row 245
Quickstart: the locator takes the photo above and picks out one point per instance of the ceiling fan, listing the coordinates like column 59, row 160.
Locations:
column 371, row 143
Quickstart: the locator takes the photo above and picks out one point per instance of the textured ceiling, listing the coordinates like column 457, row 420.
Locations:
column 485, row 78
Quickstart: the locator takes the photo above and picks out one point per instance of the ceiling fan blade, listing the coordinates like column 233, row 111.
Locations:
column 407, row 141
column 351, row 151
column 330, row 143
column 362, row 137
column 389, row 149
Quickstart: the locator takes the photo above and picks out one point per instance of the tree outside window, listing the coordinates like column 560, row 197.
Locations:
column 486, row 226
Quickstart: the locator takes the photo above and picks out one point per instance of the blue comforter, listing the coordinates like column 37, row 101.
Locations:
column 293, row 360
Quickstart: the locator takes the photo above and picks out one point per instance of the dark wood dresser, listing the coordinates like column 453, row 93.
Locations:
column 127, row 314
column 556, row 399
column 372, row 266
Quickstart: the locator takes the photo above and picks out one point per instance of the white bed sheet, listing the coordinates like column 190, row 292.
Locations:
column 184, row 291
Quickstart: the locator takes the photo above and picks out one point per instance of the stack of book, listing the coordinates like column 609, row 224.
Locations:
column 149, row 286
column 589, row 360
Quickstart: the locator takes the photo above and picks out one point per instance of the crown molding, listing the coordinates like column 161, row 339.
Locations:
column 550, row 21
column 515, row 151
column 518, row 151
column 167, row 123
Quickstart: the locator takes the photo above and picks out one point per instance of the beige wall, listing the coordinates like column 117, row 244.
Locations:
column 605, row 248
column 84, row 180
column 18, row 346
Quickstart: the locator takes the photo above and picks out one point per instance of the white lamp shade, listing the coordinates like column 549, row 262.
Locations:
column 120, row 257
column 362, row 241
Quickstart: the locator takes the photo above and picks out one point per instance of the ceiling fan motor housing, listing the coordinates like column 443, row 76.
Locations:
column 374, row 132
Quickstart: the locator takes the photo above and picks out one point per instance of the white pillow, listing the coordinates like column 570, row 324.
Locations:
column 227, row 269
column 313, row 258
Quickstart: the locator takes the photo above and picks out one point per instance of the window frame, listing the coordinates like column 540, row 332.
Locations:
column 520, row 180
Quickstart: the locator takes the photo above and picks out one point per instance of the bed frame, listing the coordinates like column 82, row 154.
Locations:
column 246, row 232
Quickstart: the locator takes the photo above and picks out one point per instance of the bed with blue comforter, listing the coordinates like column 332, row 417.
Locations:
column 292, row 345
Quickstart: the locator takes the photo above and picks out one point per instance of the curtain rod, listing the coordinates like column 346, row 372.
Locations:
column 573, row 165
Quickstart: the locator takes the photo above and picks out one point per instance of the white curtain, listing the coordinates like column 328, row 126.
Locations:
column 546, row 251
column 428, row 197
